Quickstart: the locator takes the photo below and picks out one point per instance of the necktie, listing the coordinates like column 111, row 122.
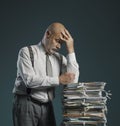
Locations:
column 50, row 91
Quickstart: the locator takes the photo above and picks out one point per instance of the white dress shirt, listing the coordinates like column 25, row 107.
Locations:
column 35, row 78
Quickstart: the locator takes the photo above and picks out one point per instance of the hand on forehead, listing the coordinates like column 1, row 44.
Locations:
column 65, row 35
column 59, row 31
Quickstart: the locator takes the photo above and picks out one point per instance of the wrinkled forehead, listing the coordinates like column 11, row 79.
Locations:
column 58, row 31
column 57, row 35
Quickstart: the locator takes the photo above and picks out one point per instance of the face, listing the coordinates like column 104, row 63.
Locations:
column 53, row 43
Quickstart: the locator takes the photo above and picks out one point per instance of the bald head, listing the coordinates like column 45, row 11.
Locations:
column 56, row 28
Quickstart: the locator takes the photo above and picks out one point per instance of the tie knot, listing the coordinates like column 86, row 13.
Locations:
column 48, row 54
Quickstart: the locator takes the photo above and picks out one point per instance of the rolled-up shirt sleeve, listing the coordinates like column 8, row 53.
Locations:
column 27, row 73
column 70, row 65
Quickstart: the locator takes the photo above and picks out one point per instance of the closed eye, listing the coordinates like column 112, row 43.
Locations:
column 59, row 41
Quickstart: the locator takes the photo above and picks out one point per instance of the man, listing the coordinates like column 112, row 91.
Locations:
column 37, row 77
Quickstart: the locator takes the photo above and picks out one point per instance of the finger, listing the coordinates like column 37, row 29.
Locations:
column 64, row 35
column 73, row 77
column 63, row 39
column 72, row 74
column 67, row 32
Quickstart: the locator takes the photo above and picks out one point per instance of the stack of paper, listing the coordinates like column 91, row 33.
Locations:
column 84, row 104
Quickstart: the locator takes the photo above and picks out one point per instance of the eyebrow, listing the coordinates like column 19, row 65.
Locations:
column 59, row 40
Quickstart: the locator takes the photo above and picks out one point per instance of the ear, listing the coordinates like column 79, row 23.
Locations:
column 48, row 34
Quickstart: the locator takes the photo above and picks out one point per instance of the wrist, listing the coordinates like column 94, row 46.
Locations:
column 70, row 50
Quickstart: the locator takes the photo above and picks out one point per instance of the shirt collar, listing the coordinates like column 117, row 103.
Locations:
column 41, row 47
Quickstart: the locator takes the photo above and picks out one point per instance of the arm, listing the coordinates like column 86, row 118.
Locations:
column 70, row 64
column 30, row 78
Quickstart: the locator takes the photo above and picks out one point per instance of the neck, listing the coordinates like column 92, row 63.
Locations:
column 43, row 43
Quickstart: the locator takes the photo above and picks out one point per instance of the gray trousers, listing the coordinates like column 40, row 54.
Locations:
column 29, row 112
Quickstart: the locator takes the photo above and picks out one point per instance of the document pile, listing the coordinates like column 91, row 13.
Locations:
column 84, row 104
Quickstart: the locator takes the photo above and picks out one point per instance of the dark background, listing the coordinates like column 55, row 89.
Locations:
column 95, row 27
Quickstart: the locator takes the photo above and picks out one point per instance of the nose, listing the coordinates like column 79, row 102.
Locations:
column 58, row 46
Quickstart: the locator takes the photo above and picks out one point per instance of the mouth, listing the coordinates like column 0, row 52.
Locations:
column 52, row 51
column 55, row 50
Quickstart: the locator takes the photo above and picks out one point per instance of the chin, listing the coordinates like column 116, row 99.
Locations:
column 52, row 51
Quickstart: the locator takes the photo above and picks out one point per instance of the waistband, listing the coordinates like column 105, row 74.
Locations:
column 29, row 98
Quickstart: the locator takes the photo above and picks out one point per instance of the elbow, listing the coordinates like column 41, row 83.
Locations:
column 77, row 74
column 28, row 82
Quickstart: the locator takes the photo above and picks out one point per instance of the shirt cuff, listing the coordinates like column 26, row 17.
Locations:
column 71, row 57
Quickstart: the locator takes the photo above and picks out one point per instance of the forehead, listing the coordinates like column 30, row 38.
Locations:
column 57, row 35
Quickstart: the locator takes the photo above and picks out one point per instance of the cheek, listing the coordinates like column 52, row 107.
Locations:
column 53, row 44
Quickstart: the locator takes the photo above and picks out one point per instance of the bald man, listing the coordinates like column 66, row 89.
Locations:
column 40, row 68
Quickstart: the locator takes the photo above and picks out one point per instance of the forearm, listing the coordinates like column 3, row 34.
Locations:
column 31, row 78
column 70, row 65
column 37, row 82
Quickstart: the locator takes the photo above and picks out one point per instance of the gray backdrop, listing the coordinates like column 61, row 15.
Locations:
column 94, row 25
